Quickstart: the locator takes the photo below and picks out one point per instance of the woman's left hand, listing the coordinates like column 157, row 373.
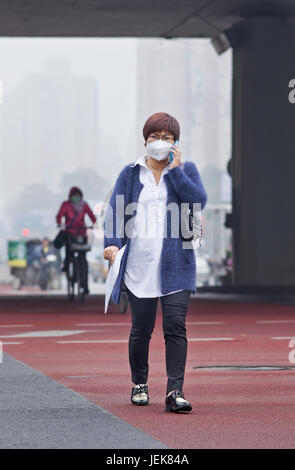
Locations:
column 177, row 154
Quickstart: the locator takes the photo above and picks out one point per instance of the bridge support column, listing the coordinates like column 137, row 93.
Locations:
column 263, row 153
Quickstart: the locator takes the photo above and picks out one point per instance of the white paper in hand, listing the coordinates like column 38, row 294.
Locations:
column 112, row 276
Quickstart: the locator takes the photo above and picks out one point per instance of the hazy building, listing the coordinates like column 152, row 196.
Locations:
column 49, row 125
column 187, row 79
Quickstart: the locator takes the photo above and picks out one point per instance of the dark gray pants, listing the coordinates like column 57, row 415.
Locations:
column 143, row 312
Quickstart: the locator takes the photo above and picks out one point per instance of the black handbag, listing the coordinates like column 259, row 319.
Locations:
column 61, row 237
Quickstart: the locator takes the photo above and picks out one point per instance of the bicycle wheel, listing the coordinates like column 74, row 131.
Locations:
column 71, row 281
column 80, row 283
column 71, row 293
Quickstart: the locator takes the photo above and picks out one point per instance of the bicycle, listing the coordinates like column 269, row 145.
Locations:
column 77, row 267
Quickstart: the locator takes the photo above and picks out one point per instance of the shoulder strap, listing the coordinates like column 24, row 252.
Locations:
column 73, row 219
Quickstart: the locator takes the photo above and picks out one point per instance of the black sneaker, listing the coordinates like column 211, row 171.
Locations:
column 139, row 395
column 177, row 402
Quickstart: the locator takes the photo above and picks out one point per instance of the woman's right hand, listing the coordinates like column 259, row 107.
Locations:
column 110, row 253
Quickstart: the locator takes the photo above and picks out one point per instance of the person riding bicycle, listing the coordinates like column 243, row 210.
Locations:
column 74, row 211
column 40, row 262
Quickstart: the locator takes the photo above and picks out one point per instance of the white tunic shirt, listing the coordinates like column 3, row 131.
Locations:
column 143, row 269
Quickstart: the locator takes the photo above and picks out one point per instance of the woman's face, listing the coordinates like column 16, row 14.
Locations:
column 76, row 198
column 163, row 135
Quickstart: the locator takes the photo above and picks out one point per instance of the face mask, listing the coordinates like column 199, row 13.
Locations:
column 159, row 149
column 76, row 199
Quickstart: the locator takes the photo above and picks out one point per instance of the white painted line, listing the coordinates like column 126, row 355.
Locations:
column 283, row 337
column 205, row 323
column 12, row 342
column 102, row 324
column 275, row 321
column 126, row 340
column 95, row 341
column 211, row 339
column 82, row 376
column 44, row 334
column 17, row 326
column 128, row 324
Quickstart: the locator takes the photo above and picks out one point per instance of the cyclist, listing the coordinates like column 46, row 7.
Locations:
column 74, row 211
column 41, row 263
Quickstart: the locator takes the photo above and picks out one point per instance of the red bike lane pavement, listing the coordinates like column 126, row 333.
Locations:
column 80, row 347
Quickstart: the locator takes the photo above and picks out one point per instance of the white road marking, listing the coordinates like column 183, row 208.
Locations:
column 102, row 324
column 82, row 376
column 12, row 342
column 17, row 326
column 44, row 334
column 275, row 321
column 205, row 323
column 128, row 324
column 126, row 340
column 95, row 341
column 211, row 339
column 283, row 337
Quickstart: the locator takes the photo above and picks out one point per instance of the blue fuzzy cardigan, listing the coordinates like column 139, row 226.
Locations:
column 178, row 265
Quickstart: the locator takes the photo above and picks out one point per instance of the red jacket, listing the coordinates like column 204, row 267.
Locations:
column 67, row 210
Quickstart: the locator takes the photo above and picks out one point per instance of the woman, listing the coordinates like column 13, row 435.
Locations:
column 154, row 263
column 74, row 211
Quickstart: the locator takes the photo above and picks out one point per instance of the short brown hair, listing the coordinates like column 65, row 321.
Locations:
column 159, row 121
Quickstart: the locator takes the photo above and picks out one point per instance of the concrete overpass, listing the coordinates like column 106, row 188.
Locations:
column 262, row 34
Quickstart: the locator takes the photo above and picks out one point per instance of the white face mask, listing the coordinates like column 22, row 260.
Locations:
column 159, row 149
